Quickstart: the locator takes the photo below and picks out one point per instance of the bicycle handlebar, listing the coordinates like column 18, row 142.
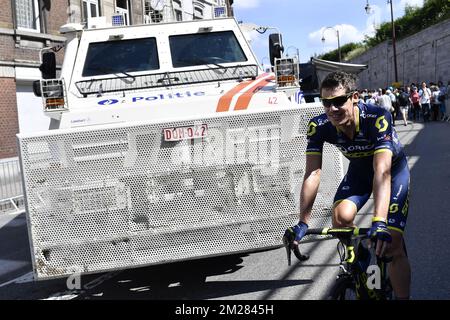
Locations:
column 349, row 232
column 341, row 232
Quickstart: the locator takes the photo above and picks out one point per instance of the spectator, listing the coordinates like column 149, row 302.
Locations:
column 393, row 98
column 435, row 103
column 410, row 104
column 384, row 101
column 425, row 100
column 403, row 101
column 363, row 95
column 416, row 107
column 379, row 94
column 442, row 97
column 388, row 104
column 371, row 98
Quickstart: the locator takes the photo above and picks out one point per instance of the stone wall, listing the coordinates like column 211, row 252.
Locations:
column 424, row 56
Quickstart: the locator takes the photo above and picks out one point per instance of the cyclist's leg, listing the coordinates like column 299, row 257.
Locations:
column 351, row 195
column 399, row 268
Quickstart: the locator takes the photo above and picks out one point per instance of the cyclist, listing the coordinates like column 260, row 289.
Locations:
column 364, row 134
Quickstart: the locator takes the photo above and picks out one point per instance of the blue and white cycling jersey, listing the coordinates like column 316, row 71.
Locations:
column 374, row 133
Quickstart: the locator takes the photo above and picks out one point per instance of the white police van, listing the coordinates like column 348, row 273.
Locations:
column 167, row 142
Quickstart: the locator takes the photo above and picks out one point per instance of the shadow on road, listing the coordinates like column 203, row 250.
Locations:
column 182, row 281
column 179, row 280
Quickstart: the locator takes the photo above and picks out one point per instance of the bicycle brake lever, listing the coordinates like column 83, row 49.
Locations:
column 288, row 241
column 301, row 257
column 287, row 246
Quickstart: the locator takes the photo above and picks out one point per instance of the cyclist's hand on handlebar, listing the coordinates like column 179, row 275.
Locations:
column 291, row 238
column 380, row 233
column 299, row 231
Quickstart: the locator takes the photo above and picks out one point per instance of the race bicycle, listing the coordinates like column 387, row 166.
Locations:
column 354, row 279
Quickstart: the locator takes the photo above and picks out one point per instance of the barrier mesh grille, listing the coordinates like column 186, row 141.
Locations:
column 123, row 197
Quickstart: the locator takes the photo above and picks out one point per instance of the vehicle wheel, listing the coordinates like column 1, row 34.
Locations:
column 343, row 289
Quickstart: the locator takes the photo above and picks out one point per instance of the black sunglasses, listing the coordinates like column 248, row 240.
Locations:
column 338, row 101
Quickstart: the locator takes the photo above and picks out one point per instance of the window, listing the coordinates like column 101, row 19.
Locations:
column 205, row 48
column 117, row 57
column 153, row 11
column 27, row 15
column 122, row 8
column 178, row 15
column 91, row 9
column 198, row 13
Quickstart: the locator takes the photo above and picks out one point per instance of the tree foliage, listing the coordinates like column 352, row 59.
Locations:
column 414, row 20
column 345, row 50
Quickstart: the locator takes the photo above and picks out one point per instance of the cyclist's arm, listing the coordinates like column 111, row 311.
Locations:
column 382, row 182
column 310, row 185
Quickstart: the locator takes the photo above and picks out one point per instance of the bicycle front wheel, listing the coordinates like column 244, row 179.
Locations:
column 343, row 289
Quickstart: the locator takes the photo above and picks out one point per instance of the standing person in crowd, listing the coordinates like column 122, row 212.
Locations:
column 442, row 97
column 416, row 107
column 391, row 93
column 425, row 100
column 363, row 95
column 403, row 102
column 393, row 103
column 379, row 94
column 435, row 103
column 410, row 104
column 371, row 98
column 384, row 101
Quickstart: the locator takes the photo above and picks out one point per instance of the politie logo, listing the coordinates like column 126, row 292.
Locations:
column 169, row 96
column 108, row 102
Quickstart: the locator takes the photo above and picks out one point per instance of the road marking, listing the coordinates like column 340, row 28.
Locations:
column 27, row 277
column 69, row 295
column 412, row 160
column 65, row 295
column 62, row 296
column 98, row 281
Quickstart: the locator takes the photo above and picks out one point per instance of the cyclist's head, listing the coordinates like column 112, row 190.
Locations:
column 339, row 95
column 339, row 79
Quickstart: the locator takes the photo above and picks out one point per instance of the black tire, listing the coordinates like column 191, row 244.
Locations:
column 343, row 289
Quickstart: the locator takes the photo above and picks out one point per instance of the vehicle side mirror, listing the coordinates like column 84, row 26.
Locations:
column 48, row 66
column 275, row 47
column 37, row 88
column 47, row 5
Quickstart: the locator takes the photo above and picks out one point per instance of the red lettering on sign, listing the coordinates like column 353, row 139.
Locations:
column 168, row 135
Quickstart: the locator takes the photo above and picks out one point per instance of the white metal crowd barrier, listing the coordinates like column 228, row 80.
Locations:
column 11, row 192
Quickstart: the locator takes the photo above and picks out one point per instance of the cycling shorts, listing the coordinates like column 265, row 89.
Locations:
column 357, row 188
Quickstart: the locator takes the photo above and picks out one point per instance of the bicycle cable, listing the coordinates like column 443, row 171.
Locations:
column 341, row 253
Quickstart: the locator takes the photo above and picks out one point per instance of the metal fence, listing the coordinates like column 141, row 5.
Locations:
column 11, row 192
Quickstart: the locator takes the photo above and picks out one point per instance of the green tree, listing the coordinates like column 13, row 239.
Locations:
column 345, row 50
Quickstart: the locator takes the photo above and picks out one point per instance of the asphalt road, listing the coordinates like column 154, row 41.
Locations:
column 265, row 275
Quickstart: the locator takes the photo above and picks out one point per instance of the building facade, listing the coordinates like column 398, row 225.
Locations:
column 27, row 26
